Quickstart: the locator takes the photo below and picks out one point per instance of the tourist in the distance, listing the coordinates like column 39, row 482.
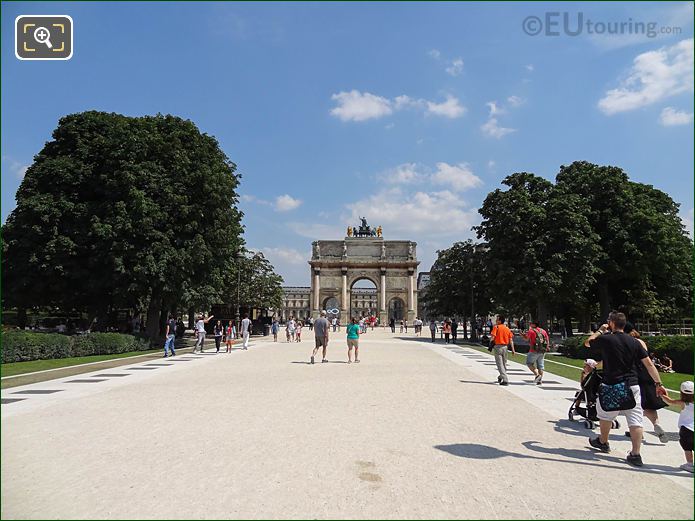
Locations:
column 200, row 332
column 292, row 329
column 539, row 343
column 353, row 340
column 433, row 329
column 685, row 422
column 246, row 331
column 298, row 331
column 231, row 335
column 320, row 336
column 392, row 324
column 218, row 331
column 620, row 354
column 335, row 323
column 454, row 330
column 274, row 328
column 501, row 339
column 666, row 364
column 446, row 329
column 170, row 336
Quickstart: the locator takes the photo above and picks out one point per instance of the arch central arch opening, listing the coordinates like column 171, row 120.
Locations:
column 363, row 298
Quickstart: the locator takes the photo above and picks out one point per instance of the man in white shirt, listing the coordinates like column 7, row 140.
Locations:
column 291, row 327
column 200, row 332
column 246, row 331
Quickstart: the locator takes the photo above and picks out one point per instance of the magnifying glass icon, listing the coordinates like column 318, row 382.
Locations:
column 43, row 35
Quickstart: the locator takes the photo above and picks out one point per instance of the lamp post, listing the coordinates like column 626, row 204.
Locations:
column 238, row 258
column 474, row 333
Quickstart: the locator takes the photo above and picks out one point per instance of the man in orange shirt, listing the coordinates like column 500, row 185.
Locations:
column 502, row 337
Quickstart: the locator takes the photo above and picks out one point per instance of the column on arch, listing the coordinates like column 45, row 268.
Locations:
column 382, row 306
column 317, row 290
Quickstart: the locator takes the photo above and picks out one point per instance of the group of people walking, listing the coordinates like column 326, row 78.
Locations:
column 221, row 333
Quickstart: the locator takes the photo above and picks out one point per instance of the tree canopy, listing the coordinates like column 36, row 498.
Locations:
column 123, row 212
column 592, row 237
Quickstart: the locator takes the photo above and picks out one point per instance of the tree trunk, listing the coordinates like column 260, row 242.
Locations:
column 605, row 302
column 191, row 317
column 22, row 318
column 474, row 333
column 568, row 323
column 153, row 313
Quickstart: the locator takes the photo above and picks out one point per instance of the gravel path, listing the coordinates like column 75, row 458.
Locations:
column 408, row 433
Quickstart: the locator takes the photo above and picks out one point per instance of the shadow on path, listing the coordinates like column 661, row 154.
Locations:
column 571, row 456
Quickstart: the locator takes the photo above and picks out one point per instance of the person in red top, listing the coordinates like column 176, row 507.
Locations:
column 539, row 343
column 502, row 337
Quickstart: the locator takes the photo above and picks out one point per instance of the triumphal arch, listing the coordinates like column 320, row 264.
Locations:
column 391, row 266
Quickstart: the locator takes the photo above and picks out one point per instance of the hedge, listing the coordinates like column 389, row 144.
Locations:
column 22, row 346
column 678, row 348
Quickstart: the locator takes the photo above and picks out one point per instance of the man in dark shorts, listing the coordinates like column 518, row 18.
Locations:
column 321, row 336
column 620, row 354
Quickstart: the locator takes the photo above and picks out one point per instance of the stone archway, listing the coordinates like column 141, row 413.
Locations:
column 390, row 265
column 363, row 295
column 396, row 309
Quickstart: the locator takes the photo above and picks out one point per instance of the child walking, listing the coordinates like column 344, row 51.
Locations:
column 231, row 334
column 685, row 422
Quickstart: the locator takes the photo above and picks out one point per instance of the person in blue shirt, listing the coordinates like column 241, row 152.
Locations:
column 353, row 340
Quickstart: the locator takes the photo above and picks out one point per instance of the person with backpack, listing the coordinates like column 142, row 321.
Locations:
column 539, row 343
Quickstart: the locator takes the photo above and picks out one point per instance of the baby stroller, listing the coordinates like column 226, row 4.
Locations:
column 588, row 394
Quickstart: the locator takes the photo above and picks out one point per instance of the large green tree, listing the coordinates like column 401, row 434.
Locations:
column 513, row 226
column 593, row 240
column 459, row 284
column 118, row 211
column 643, row 254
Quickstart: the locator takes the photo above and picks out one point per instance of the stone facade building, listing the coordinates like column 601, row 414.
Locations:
column 391, row 267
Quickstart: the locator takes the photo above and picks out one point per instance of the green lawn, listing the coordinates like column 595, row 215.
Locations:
column 671, row 380
column 16, row 368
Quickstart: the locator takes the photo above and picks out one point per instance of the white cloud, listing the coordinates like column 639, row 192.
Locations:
column 389, row 126
column 434, row 53
column 285, row 203
column 515, row 101
column 451, row 108
column 491, row 129
column 17, row 168
column 670, row 117
column 284, row 255
column 357, row 106
column 402, row 174
column 459, row 177
column 494, row 109
column 653, row 77
column 403, row 101
column 530, row 67
column 407, row 214
column 687, row 219
column 491, row 164
column 455, row 68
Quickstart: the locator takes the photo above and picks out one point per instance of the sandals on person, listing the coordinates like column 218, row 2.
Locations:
column 357, row 361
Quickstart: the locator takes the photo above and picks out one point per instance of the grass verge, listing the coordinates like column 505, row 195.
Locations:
column 16, row 368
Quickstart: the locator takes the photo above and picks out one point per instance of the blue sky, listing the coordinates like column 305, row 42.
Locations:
column 408, row 114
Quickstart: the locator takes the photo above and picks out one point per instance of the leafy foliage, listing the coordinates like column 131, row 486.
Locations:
column 592, row 237
column 119, row 212
column 456, row 272
column 22, row 346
